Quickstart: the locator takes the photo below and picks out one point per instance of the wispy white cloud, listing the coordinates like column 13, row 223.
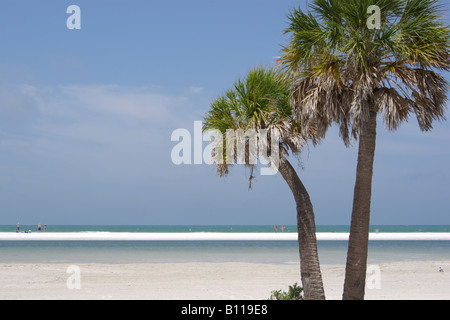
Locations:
column 132, row 102
column 106, row 100
column 196, row 89
column 97, row 113
column 95, row 132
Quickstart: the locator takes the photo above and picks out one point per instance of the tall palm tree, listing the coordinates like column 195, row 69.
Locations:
column 261, row 102
column 354, row 60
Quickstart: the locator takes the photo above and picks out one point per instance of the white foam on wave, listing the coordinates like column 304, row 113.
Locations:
column 124, row 236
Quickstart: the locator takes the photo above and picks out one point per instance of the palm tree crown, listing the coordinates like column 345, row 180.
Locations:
column 259, row 101
column 342, row 68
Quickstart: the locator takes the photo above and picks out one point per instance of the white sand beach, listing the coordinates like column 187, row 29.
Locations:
column 410, row 280
column 211, row 281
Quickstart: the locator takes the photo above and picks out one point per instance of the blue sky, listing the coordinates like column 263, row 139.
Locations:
column 86, row 118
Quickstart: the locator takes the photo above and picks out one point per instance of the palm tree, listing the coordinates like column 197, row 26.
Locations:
column 261, row 102
column 353, row 60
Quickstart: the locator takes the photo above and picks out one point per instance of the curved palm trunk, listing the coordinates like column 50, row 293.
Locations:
column 355, row 273
column 309, row 259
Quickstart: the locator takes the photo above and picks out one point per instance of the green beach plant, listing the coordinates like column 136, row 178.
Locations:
column 294, row 292
column 347, row 73
column 261, row 102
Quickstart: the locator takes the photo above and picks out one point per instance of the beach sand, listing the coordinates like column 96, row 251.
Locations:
column 212, row 281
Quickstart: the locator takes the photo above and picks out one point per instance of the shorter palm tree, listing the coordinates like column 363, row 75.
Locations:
column 260, row 103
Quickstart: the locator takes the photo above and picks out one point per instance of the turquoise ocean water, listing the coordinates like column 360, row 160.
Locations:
column 219, row 228
column 279, row 252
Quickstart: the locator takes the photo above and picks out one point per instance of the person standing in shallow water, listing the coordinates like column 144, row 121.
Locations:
column 39, row 227
column 18, row 227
